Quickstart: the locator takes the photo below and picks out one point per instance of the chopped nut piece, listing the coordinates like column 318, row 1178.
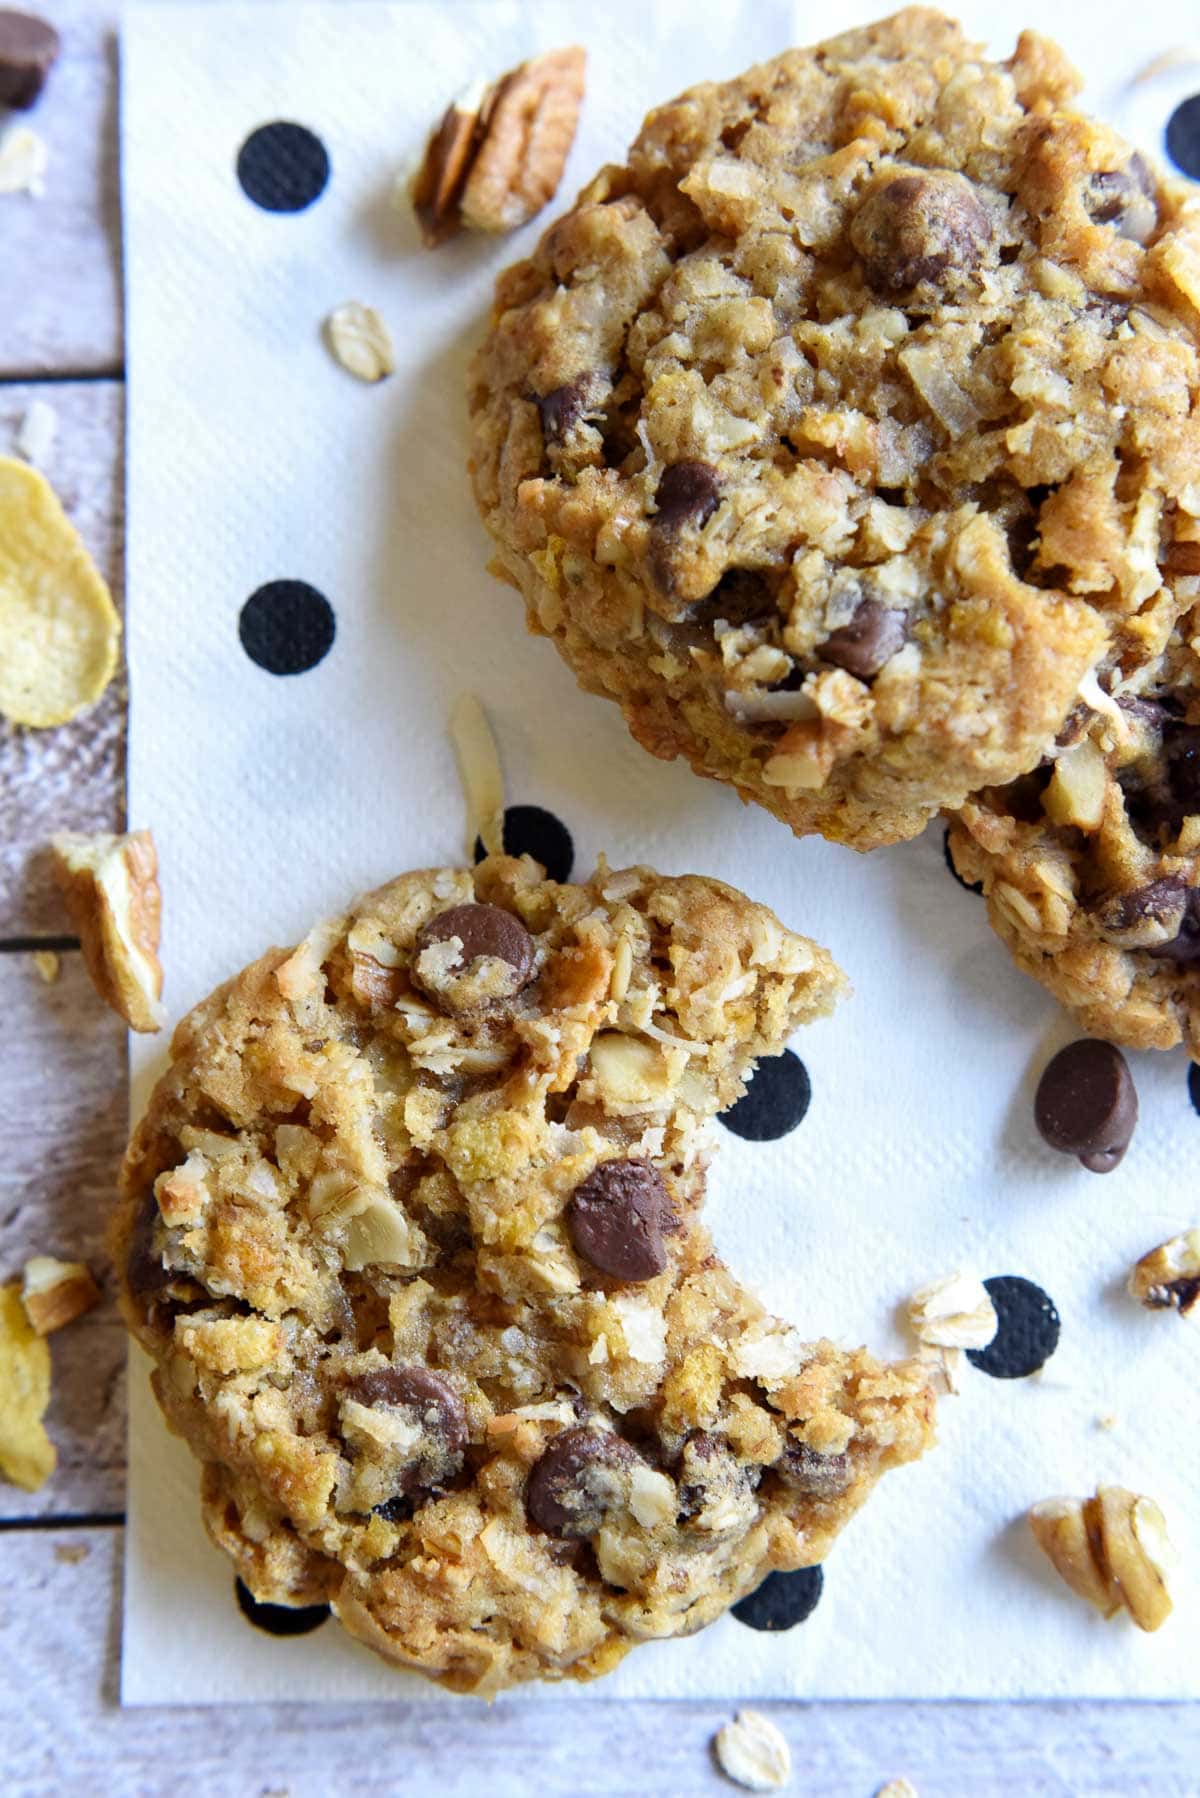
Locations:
column 110, row 884
column 23, row 160
column 1169, row 1276
column 954, row 1312
column 1075, row 795
column 498, row 154
column 359, row 339
column 27, row 1457
column 753, row 1753
column 55, row 1293
column 48, row 965
column 1111, row 1549
column 479, row 771
column 58, row 624
column 36, row 432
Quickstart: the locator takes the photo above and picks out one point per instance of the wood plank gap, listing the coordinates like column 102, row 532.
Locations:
column 70, row 1520
column 24, row 945
column 40, row 377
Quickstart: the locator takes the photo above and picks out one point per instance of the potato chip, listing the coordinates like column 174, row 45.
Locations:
column 59, row 629
column 27, row 1456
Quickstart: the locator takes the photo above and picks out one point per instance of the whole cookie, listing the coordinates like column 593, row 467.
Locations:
column 851, row 424
column 410, row 1229
column 1091, row 864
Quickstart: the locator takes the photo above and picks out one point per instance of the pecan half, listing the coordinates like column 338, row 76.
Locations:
column 498, row 154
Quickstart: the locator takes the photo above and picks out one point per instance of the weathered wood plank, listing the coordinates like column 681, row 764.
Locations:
column 58, row 1632
column 63, row 1110
column 60, row 274
column 71, row 778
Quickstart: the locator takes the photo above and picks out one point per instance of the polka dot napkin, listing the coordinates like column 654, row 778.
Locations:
column 307, row 598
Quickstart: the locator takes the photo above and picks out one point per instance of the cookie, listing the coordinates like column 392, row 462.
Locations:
column 851, row 423
column 1091, row 864
column 411, row 1229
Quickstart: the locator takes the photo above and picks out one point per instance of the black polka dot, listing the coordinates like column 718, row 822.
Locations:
column 1194, row 1085
column 783, row 1600
column 1028, row 1329
column 280, row 1619
column 287, row 627
column 775, row 1101
column 283, row 167
column 969, row 886
column 531, row 830
column 1183, row 136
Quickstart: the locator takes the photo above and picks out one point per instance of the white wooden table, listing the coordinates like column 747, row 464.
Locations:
column 63, row 1095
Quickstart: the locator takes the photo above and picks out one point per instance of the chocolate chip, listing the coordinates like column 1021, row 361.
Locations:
column 564, row 407
column 616, row 1219
column 1161, row 803
column 1027, row 1332
column 28, row 51
column 434, row 1404
column 577, row 1480
column 1124, row 198
column 483, row 931
column 813, row 1474
column 280, row 1619
column 870, row 640
column 782, row 1601
column 1184, row 946
column 687, row 493
column 1086, row 1104
column 918, row 228
column 741, row 596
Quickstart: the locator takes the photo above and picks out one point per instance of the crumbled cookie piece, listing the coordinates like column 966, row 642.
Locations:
column 359, row 339
column 411, row 1230
column 58, row 624
column 1112, row 1550
column 498, row 154
column 27, row 1457
column 55, row 1293
column 110, row 884
column 848, row 431
column 1168, row 1278
column 753, row 1753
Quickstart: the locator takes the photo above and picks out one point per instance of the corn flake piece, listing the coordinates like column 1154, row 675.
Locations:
column 58, row 624
column 27, row 1457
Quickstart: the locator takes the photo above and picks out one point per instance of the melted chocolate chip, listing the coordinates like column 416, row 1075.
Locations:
column 687, row 493
column 917, row 228
column 741, row 596
column 616, row 1218
column 1160, row 902
column 1184, row 947
column 483, row 930
column 1086, row 1104
column 1124, row 198
column 433, row 1403
column 871, row 639
column 564, row 407
column 577, row 1480
column 28, row 50
column 817, row 1476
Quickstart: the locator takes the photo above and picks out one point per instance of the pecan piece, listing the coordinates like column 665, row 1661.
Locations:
column 110, row 884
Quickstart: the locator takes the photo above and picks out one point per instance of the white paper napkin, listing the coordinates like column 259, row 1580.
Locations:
column 253, row 457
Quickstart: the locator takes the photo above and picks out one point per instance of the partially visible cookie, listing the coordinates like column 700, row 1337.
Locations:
column 852, row 423
column 1091, row 864
column 411, row 1230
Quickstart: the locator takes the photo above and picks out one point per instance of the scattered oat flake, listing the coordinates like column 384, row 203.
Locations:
column 58, row 624
column 897, row 1788
column 36, row 432
column 753, row 1753
column 48, row 965
column 359, row 339
column 71, row 1553
column 23, row 160
column 480, row 773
